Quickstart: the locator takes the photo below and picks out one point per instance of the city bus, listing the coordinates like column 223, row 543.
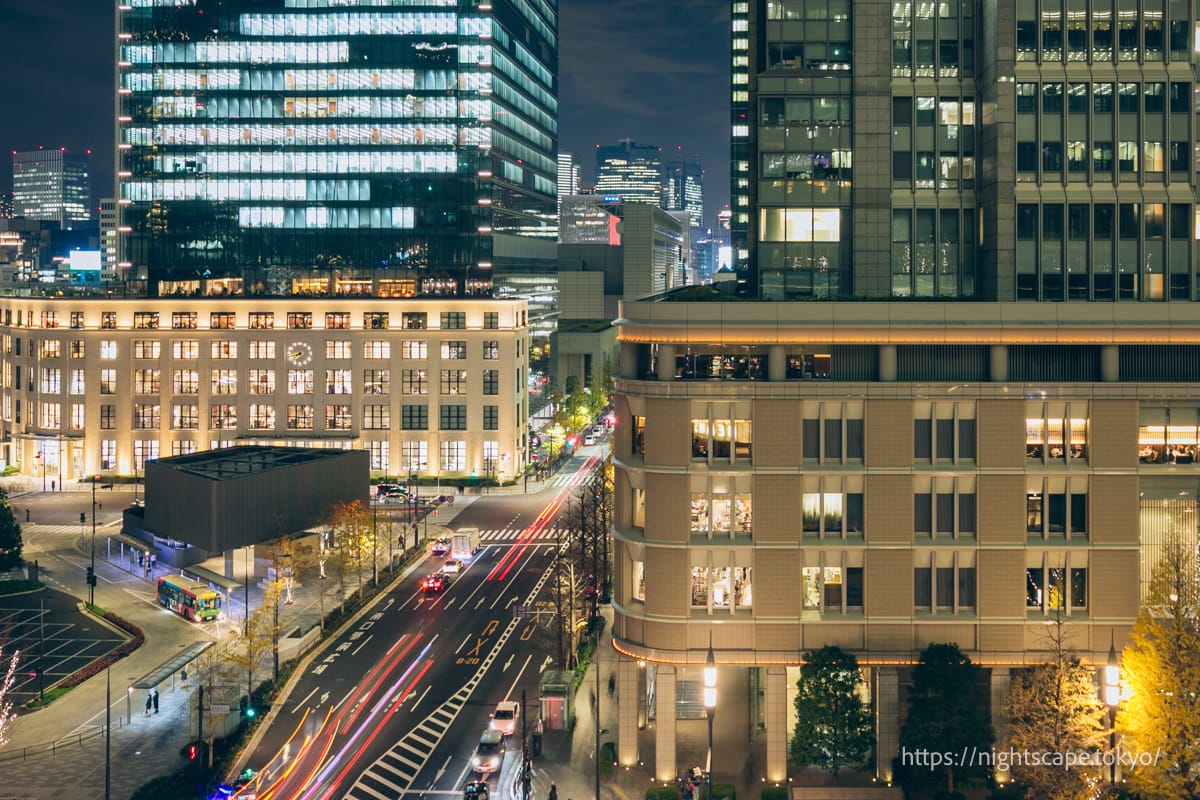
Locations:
column 189, row 599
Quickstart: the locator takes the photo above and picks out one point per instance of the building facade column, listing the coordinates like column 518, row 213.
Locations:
column 887, row 362
column 628, row 366
column 998, row 363
column 1000, row 680
column 1110, row 363
column 229, row 563
column 777, row 363
column 629, row 700
column 775, row 718
column 887, row 721
column 666, row 362
column 664, row 720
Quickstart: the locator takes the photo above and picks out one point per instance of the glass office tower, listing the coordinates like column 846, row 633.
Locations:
column 276, row 147
column 630, row 171
column 52, row 185
column 1037, row 151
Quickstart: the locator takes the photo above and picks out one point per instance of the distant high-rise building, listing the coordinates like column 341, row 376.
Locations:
column 109, row 245
column 304, row 149
column 568, row 177
column 683, row 186
column 6, row 205
column 51, row 186
column 630, row 171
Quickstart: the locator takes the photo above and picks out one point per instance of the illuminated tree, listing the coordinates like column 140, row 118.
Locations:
column 8, row 676
column 833, row 723
column 1161, row 675
column 352, row 540
column 257, row 637
column 292, row 557
column 1055, row 708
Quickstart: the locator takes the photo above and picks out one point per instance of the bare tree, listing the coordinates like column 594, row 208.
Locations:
column 8, row 676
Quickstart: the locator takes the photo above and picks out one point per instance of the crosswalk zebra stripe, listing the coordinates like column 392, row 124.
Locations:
column 369, row 790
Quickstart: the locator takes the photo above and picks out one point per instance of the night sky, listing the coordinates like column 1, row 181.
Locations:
column 653, row 71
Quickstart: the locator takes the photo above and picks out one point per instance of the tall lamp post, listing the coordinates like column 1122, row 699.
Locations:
column 92, row 581
column 1112, row 696
column 710, row 705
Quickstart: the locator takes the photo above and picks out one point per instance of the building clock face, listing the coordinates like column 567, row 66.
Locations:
column 299, row 353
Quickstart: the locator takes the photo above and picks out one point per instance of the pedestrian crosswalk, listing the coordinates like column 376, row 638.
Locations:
column 502, row 535
column 29, row 528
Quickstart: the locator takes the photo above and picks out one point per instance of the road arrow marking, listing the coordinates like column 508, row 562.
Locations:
column 545, row 664
column 482, row 600
column 508, row 663
column 442, row 771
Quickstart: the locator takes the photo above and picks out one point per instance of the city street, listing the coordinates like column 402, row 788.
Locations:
column 398, row 700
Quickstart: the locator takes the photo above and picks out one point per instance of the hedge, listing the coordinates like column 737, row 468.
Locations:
column 662, row 793
column 773, row 793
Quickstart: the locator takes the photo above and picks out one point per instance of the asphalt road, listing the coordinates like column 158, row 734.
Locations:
column 396, row 704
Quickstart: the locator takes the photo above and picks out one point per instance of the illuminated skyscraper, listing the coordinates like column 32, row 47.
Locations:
column 51, row 185
column 683, row 186
column 317, row 146
column 568, row 177
column 630, row 171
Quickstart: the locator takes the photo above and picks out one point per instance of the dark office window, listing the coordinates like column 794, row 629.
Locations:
column 1027, row 222
column 854, row 587
column 966, row 513
column 833, row 439
column 811, row 443
column 854, row 438
column 854, row 513
column 966, row 439
column 944, row 586
column 966, row 587
column 922, row 587
column 1078, row 513
column 922, row 438
column 923, row 513
column 945, row 439
column 945, row 513
column 1057, row 513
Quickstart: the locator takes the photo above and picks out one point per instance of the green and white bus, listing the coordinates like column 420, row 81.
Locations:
column 190, row 599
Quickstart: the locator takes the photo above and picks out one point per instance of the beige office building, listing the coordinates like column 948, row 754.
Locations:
column 882, row 476
column 97, row 386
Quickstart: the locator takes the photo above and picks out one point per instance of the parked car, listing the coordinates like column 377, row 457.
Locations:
column 490, row 752
column 506, row 717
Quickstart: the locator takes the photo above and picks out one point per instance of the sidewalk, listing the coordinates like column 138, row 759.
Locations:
column 568, row 758
column 57, row 752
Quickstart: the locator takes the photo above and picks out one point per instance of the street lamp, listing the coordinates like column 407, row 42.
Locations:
column 710, row 705
column 1112, row 696
column 92, row 578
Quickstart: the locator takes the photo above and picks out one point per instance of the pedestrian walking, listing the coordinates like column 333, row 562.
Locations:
column 149, row 702
column 154, row 696
column 612, row 684
column 553, row 792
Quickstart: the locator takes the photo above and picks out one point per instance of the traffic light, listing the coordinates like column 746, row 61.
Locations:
column 91, row 576
column 82, row 517
column 193, row 752
column 247, row 710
